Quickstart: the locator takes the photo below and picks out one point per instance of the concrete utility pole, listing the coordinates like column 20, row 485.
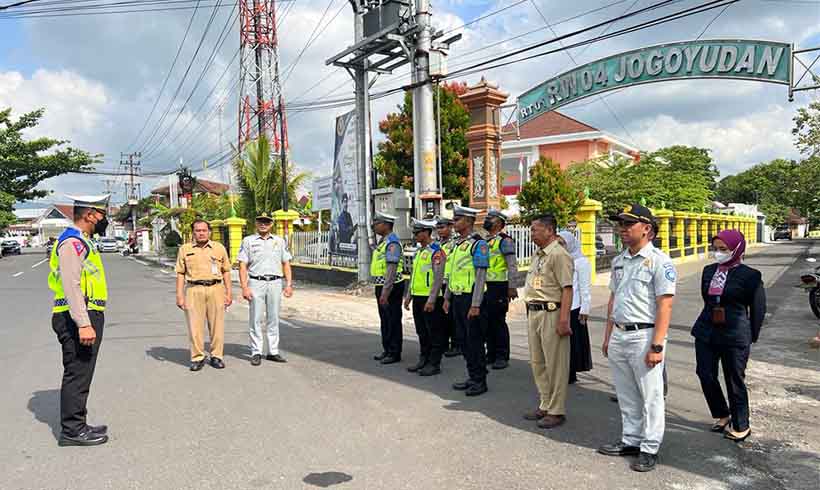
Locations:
column 360, row 78
column 133, row 165
column 426, row 186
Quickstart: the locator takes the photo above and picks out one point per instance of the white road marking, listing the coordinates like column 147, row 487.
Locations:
column 164, row 271
column 288, row 324
column 140, row 262
column 38, row 263
column 18, row 274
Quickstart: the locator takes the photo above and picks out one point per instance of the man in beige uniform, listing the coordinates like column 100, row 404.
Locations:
column 206, row 268
column 548, row 294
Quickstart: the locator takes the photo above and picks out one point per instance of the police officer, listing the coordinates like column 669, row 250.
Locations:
column 548, row 294
column 425, row 292
column 502, row 287
column 465, row 290
column 77, row 278
column 642, row 289
column 386, row 266
column 447, row 241
column 204, row 292
column 264, row 262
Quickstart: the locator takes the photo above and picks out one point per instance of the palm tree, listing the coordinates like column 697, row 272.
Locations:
column 259, row 179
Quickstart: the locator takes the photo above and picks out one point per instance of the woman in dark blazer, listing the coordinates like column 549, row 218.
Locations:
column 733, row 312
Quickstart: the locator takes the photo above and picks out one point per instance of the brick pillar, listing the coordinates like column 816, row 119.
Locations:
column 585, row 218
column 236, row 231
column 663, row 216
column 484, row 144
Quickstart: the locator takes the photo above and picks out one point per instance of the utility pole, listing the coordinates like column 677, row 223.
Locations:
column 133, row 165
column 361, row 89
column 109, row 189
column 426, row 186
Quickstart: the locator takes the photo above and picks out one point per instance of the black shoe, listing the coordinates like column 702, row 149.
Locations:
column 500, row 364
column 430, row 370
column 417, row 366
column 463, row 385
column 390, row 359
column 619, row 449
column 379, row 357
column 87, row 438
column 476, row 389
column 454, row 352
column 489, row 362
column 613, row 398
column 217, row 363
column 256, row 359
column 646, row 462
column 275, row 358
column 98, row 429
column 197, row 365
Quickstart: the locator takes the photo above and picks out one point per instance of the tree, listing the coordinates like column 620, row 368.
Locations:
column 806, row 129
column 549, row 190
column 394, row 162
column 24, row 163
column 677, row 177
column 260, row 180
column 144, row 207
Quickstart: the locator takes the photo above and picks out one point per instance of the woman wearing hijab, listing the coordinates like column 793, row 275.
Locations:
column 733, row 312
column 580, row 358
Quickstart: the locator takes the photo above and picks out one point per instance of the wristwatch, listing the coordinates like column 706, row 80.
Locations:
column 657, row 348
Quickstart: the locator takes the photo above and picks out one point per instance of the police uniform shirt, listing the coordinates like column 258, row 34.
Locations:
column 264, row 256
column 507, row 249
column 71, row 253
column 392, row 254
column 550, row 272
column 637, row 280
column 204, row 263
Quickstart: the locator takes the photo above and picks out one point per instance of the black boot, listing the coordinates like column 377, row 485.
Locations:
column 430, row 370
column 417, row 366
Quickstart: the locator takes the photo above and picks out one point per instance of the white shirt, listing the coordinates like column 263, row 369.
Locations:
column 264, row 256
column 637, row 280
column 581, row 285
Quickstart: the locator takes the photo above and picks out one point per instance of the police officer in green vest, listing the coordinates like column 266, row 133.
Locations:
column 77, row 278
column 386, row 272
column 447, row 241
column 465, row 290
column 503, row 280
column 425, row 292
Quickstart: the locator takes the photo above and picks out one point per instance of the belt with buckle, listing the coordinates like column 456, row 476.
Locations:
column 631, row 327
column 266, row 278
column 209, row 282
column 546, row 306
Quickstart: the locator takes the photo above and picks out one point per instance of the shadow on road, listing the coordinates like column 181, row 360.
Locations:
column 45, row 406
column 182, row 357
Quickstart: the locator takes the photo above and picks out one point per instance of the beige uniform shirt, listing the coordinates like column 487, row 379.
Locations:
column 71, row 253
column 550, row 272
column 203, row 263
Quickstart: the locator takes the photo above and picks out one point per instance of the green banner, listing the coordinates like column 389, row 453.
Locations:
column 739, row 59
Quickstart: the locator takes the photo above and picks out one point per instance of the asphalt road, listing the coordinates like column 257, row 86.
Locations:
column 332, row 417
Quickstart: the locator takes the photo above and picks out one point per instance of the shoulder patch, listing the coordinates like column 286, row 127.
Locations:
column 78, row 247
column 435, row 247
column 669, row 272
column 438, row 256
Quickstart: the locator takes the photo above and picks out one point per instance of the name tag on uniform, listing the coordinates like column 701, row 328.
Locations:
column 536, row 282
column 214, row 268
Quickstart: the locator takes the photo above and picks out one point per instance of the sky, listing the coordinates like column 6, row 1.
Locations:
column 98, row 78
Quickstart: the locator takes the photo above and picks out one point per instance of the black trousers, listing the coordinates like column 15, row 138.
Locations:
column 431, row 330
column 455, row 334
column 474, row 337
column 390, row 319
column 734, row 359
column 494, row 308
column 78, row 368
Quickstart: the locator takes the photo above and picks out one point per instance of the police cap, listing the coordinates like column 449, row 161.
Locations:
column 383, row 218
column 634, row 214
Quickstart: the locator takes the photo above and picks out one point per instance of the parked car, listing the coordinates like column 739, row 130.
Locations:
column 107, row 244
column 782, row 233
column 11, row 247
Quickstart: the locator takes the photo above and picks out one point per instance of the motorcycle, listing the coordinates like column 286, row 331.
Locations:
column 810, row 281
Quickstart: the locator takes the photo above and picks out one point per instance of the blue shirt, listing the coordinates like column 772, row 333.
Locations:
column 637, row 280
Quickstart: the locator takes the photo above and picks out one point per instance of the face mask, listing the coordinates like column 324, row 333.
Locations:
column 723, row 257
column 487, row 225
column 101, row 226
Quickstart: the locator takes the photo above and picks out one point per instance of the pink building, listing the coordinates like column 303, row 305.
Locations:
column 558, row 137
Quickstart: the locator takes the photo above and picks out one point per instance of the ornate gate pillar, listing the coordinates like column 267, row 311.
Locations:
column 484, row 144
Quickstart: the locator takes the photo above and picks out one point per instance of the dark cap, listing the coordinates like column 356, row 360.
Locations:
column 264, row 216
column 634, row 214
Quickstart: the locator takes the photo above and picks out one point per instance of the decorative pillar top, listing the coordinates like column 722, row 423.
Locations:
column 483, row 94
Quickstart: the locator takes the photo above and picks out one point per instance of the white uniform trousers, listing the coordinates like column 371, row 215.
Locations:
column 264, row 312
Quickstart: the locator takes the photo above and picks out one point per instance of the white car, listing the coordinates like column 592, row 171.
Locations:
column 107, row 244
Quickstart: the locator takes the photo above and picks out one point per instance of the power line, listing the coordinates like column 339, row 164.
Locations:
column 311, row 39
column 110, row 9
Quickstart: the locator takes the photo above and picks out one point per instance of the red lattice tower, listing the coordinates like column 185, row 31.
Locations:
column 261, row 108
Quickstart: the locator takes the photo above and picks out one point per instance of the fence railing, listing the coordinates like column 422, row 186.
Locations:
column 312, row 247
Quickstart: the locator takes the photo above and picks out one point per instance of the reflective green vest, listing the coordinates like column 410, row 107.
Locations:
column 462, row 273
column 497, row 272
column 448, row 247
column 92, row 277
column 378, row 262
column 422, row 279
